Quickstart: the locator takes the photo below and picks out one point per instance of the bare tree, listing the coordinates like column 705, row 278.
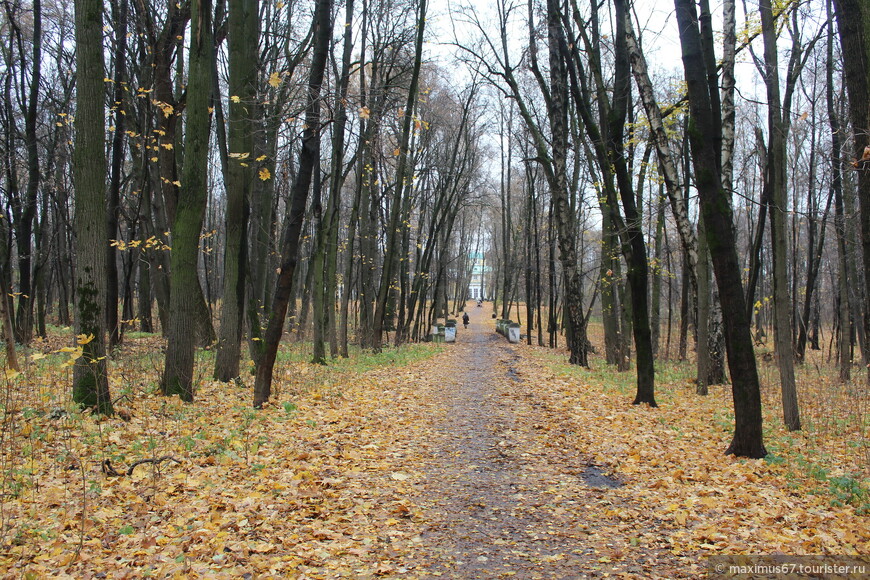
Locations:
column 776, row 178
column 699, row 64
column 853, row 21
column 308, row 158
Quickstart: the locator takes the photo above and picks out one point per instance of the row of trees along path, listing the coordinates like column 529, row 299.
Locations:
column 278, row 220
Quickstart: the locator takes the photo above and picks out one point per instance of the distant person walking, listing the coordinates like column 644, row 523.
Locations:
column 465, row 320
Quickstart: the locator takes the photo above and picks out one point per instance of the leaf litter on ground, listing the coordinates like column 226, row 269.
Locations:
column 335, row 478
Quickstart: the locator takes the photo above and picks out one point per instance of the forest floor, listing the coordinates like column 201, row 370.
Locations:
column 479, row 459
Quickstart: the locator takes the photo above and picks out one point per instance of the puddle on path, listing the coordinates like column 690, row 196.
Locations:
column 594, row 477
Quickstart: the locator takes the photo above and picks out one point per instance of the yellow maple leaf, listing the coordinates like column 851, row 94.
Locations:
column 235, row 99
column 364, row 112
column 265, row 175
column 274, row 79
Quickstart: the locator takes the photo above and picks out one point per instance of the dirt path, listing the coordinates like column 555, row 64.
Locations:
column 502, row 462
column 500, row 501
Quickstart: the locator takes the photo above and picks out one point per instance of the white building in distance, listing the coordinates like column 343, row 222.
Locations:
column 476, row 287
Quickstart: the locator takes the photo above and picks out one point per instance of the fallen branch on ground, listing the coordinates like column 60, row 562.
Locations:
column 111, row 472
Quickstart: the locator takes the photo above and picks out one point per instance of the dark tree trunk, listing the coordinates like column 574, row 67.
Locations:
column 308, row 157
column 635, row 250
column 90, row 387
column 658, row 262
column 702, row 354
column 608, row 273
column 776, row 175
column 26, row 211
column 5, row 316
column 685, row 312
column 243, row 32
column 113, row 209
column 717, row 215
column 843, row 314
column 186, row 301
column 333, row 211
column 566, row 227
column 853, row 20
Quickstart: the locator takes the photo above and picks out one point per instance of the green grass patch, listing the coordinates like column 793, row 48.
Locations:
column 842, row 488
column 138, row 334
column 359, row 360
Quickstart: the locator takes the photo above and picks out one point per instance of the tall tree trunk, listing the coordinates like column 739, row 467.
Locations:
column 90, row 386
column 758, row 241
column 186, row 300
column 607, row 139
column 857, row 292
column 563, row 213
column 308, row 158
column 242, row 35
column 367, row 291
column 716, row 336
column 333, row 211
column 635, row 250
column 27, row 211
column 260, row 228
column 504, row 190
column 776, row 175
column 326, row 252
column 319, row 300
column 704, row 132
column 113, row 209
column 42, row 244
column 844, row 357
column 853, row 20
